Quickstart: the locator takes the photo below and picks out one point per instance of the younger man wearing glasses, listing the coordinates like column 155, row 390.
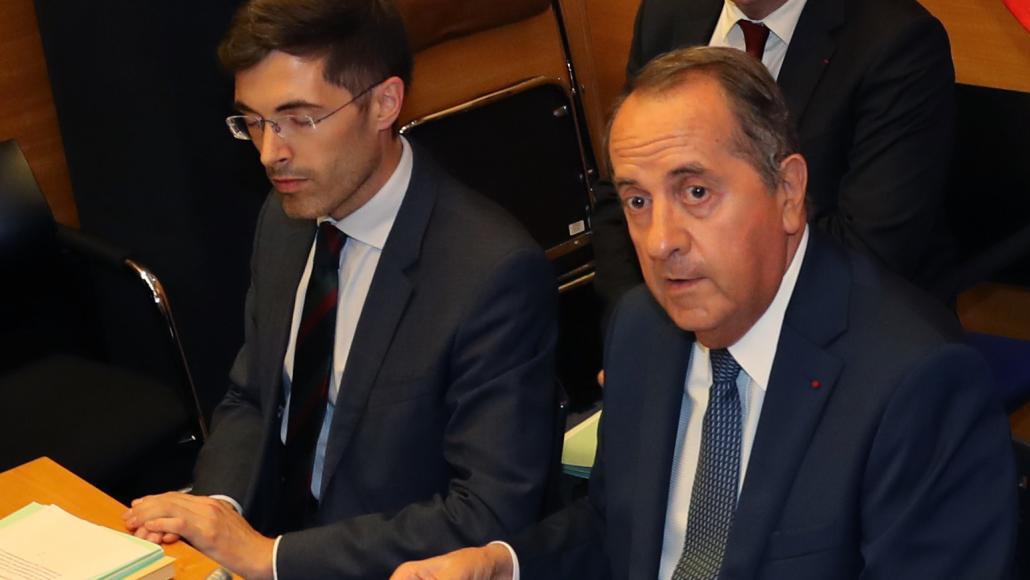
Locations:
column 393, row 397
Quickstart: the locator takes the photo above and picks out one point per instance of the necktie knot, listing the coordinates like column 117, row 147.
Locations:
column 755, row 35
column 328, row 245
column 724, row 367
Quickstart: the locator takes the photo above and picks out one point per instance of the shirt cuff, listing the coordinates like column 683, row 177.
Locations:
column 275, row 558
column 514, row 559
column 235, row 504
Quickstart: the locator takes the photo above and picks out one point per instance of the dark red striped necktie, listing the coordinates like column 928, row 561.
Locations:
column 755, row 35
column 312, row 369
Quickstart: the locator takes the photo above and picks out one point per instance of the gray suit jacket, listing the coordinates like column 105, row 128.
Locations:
column 898, row 465
column 443, row 424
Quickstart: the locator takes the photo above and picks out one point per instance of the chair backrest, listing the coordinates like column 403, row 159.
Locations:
column 508, row 123
column 989, row 190
column 60, row 286
column 508, row 127
column 26, row 224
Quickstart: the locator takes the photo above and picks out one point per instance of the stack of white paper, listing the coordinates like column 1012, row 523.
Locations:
column 44, row 542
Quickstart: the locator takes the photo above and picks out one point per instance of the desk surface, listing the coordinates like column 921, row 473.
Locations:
column 47, row 482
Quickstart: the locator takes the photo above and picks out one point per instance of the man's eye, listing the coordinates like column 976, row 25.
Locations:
column 299, row 121
column 697, row 192
column 636, row 202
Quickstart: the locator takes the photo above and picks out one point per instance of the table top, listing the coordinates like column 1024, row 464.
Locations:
column 46, row 482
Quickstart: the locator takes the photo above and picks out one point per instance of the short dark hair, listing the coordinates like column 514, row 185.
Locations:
column 363, row 41
column 765, row 135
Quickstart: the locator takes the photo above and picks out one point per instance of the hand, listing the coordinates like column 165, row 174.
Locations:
column 600, row 378
column 211, row 525
column 491, row 562
column 140, row 531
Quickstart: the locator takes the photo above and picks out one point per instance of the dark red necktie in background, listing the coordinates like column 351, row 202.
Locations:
column 755, row 35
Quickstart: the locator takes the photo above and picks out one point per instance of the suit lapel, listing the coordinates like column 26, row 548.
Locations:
column 289, row 256
column 816, row 315
column 662, row 395
column 696, row 23
column 810, row 51
column 387, row 298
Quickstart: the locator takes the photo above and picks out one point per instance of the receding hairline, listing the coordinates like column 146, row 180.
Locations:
column 666, row 90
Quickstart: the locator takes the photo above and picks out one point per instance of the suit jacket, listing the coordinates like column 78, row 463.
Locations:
column 898, row 465
column 443, row 424
column 870, row 85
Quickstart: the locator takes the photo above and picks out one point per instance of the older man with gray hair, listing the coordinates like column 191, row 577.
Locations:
column 775, row 406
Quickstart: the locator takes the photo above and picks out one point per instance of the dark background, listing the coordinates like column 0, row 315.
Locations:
column 141, row 102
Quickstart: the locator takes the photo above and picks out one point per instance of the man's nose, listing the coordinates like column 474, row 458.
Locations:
column 273, row 148
column 667, row 234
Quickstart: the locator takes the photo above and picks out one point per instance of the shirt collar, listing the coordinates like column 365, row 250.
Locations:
column 371, row 223
column 756, row 350
column 781, row 22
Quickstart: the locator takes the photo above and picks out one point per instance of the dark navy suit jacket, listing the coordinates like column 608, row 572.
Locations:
column 443, row 425
column 899, row 465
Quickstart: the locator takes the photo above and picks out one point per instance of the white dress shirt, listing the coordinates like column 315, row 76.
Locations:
column 754, row 352
column 366, row 229
column 781, row 23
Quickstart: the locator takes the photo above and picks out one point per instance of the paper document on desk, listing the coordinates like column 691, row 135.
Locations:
column 577, row 455
column 44, row 542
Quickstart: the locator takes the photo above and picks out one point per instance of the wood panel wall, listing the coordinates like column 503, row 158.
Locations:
column 27, row 112
column 599, row 34
column 468, row 67
column 988, row 45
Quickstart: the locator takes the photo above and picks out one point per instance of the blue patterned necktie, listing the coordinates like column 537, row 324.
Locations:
column 713, row 498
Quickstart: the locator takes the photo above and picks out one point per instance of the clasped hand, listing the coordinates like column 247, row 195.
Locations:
column 210, row 525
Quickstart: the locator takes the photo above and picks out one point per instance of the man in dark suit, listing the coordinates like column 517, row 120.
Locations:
column 776, row 406
column 870, row 84
column 394, row 396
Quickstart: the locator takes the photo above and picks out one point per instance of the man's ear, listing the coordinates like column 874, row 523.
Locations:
column 387, row 101
column 791, row 192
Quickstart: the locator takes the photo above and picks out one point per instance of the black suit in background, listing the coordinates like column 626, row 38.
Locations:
column 898, row 465
column 870, row 84
column 443, row 424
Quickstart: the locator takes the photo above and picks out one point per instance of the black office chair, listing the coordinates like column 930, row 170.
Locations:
column 989, row 207
column 64, row 395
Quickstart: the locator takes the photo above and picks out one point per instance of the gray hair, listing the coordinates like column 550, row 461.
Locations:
column 765, row 133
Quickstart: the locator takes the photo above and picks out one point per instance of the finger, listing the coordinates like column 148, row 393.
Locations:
column 163, row 526
column 172, row 504
column 411, row 571
column 169, row 538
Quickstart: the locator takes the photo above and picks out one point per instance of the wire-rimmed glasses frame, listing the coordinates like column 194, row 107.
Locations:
column 251, row 127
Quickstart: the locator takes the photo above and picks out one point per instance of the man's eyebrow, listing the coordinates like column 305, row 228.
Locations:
column 621, row 182
column 287, row 106
column 689, row 169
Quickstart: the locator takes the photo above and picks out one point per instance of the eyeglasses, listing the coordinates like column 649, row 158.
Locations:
column 252, row 127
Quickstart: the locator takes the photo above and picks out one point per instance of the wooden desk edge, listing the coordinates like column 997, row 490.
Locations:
column 46, row 481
